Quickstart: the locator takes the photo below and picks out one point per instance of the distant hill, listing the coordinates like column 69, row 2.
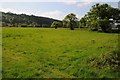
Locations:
column 22, row 20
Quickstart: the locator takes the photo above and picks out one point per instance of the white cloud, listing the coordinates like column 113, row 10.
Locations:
column 69, row 2
column 57, row 0
column 79, row 3
column 53, row 14
column 84, row 3
column 23, row 11
column 79, row 16
column 87, row 0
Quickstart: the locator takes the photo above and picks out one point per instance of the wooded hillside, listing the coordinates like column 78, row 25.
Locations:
column 23, row 20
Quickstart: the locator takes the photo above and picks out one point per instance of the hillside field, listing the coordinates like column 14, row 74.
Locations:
column 55, row 53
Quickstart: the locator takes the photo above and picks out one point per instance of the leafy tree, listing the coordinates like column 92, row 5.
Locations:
column 82, row 22
column 95, row 24
column 105, row 26
column 64, row 22
column 55, row 24
column 99, row 16
column 70, row 21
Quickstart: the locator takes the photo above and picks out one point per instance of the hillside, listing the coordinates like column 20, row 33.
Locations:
column 23, row 20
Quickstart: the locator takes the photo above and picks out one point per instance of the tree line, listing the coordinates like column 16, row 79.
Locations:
column 22, row 20
column 101, row 17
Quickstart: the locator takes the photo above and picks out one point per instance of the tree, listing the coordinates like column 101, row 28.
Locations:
column 104, row 24
column 82, row 22
column 94, row 25
column 64, row 22
column 55, row 24
column 99, row 16
column 70, row 21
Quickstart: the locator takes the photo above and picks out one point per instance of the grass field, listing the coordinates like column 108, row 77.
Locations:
column 50, row 53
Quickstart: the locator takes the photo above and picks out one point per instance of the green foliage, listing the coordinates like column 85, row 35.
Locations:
column 104, row 23
column 70, row 21
column 99, row 16
column 49, row 53
column 23, row 20
column 65, row 24
column 109, row 60
column 82, row 22
column 56, row 24
column 94, row 25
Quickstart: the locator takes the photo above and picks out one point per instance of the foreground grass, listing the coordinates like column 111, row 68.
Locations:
column 50, row 53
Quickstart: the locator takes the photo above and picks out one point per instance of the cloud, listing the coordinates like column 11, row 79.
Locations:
column 54, row 14
column 79, row 16
column 69, row 2
column 57, row 1
column 23, row 11
column 81, row 3
column 84, row 3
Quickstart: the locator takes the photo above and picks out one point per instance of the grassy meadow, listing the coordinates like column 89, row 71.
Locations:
column 55, row 53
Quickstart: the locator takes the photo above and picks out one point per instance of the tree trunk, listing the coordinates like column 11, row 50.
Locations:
column 71, row 28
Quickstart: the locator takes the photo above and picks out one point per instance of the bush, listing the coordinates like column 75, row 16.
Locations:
column 109, row 60
column 105, row 25
column 56, row 24
column 94, row 25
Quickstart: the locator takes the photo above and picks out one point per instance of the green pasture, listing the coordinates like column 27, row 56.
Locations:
column 55, row 53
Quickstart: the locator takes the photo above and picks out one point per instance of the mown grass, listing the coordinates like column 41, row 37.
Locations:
column 50, row 53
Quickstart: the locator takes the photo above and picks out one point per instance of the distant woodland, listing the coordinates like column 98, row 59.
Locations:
column 22, row 20
column 101, row 17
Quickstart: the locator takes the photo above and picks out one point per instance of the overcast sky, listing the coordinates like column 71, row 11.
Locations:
column 52, row 9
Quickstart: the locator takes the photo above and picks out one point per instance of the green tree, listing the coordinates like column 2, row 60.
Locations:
column 70, row 20
column 82, row 22
column 99, row 16
column 105, row 25
column 55, row 24
column 94, row 25
column 64, row 22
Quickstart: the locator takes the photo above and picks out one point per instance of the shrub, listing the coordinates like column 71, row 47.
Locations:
column 109, row 60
